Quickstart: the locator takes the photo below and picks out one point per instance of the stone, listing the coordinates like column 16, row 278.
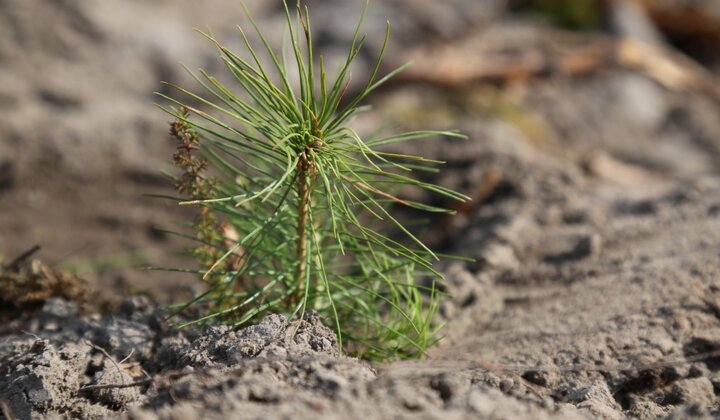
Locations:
column 597, row 399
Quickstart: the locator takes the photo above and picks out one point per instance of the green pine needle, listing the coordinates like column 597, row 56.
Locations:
column 304, row 201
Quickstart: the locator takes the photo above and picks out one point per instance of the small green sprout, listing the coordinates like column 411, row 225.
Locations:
column 298, row 216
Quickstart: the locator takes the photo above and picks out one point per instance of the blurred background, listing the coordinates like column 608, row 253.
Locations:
column 552, row 94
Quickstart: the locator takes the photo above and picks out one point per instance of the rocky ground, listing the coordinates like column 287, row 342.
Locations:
column 595, row 224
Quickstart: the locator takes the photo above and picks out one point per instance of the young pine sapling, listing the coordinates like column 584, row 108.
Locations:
column 296, row 219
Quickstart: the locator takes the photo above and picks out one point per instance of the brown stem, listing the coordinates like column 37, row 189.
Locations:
column 301, row 248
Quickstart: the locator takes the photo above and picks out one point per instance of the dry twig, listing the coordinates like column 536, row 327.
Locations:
column 6, row 411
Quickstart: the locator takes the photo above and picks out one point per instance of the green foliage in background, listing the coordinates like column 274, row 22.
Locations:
column 298, row 217
column 572, row 14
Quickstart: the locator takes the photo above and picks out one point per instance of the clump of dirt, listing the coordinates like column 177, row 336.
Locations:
column 84, row 367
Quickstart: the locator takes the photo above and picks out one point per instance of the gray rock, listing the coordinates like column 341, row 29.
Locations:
column 500, row 256
column 58, row 309
column 120, row 338
column 597, row 399
column 253, row 339
column 694, row 390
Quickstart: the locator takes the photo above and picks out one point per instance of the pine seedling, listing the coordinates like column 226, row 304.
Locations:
column 304, row 200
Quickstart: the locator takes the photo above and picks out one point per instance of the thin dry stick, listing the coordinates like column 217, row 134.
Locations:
column 132, row 351
column 167, row 379
column 14, row 264
column 6, row 411
column 112, row 360
column 116, row 386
